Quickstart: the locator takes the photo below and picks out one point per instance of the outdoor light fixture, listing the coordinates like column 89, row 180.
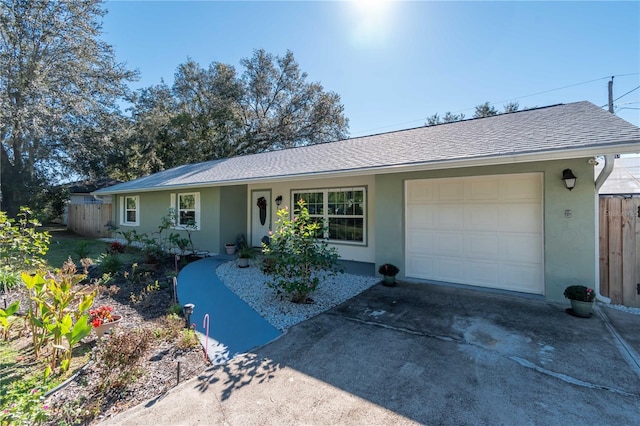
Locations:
column 188, row 310
column 569, row 179
column 278, row 200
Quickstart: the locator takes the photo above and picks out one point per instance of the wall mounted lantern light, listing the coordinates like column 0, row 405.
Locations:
column 278, row 200
column 569, row 179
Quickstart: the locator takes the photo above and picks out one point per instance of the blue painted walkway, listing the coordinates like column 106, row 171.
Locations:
column 234, row 326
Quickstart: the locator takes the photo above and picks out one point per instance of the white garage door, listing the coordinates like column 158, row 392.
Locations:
column 483, row 231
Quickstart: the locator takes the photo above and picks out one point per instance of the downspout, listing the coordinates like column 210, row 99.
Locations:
column 602, row 177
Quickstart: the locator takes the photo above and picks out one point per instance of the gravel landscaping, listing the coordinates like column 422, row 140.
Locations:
column 250, row 285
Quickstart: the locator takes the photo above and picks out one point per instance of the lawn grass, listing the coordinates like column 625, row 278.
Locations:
column 65, row 244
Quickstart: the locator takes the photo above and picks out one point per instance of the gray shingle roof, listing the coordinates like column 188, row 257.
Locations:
column 545, row 130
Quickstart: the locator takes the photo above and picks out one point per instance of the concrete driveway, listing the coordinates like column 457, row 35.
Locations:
column 419, row 353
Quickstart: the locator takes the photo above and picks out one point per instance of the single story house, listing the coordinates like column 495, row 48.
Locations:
column 480, row 202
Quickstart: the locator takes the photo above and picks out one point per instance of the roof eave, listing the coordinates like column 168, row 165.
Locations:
column 628, row 147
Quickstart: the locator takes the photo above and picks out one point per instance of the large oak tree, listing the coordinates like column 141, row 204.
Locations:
column 59, row 87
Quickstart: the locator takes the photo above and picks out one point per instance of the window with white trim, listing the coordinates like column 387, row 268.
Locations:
column 130, row 210
column 343, row 210
column 186, row 207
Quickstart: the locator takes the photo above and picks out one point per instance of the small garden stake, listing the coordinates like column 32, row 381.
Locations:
column 205, row 324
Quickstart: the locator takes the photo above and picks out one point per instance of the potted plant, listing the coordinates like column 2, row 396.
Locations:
column 230, row 247
column 246, row 253
column 581, row 299
column 389, row 273
column 103, row 320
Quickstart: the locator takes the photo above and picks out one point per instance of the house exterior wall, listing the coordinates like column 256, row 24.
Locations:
column 233, row 215
column 569, row 243
column 359, row 253
column 154, row 205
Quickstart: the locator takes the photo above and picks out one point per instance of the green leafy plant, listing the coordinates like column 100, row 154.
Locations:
column 110, row 264
column 188, row 339
column 82, row 249
column 22, row 403
column 8, row 318
column 388, row 270
column 175, row 309
column 298, row 256
column 246, row 252
column 22, row 247
column 580, row 292
column 57, row 313
column 9, row 280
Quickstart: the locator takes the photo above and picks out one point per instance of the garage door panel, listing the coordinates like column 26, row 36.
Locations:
column 484, row 189
column 521, row 218
column 521, row 277
column 481, row 273
column 482, row 217
column 450, row 190
column 449, row 217
column 485, row 231
column 448, row 243
column 420, row 241
column 521, row 248
column 420, row 193
column 482, row 246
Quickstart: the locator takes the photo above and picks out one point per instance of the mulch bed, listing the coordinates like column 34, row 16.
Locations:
column 141, row 304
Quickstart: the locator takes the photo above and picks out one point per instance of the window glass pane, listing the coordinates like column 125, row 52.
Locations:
column 131, row 215
column 187, row 217
column 131, row 203
column 188, row 202
column 346, row 229
column 313, row 200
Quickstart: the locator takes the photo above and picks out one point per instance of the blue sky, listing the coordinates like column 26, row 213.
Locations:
column 396, row 63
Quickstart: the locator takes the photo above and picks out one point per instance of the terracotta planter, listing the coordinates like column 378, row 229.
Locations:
column 243, row 262
column 104, row 327
column 231, row 249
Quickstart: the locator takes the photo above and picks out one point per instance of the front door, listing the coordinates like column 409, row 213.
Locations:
column 260, row 216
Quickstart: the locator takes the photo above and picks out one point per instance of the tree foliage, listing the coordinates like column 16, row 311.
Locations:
column 59, row 84
column 483, row 110
column 218, row 112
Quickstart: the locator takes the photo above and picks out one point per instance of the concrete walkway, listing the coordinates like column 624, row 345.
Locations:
column 420, row 354
column 234, row 327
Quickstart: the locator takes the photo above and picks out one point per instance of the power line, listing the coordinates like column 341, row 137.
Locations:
column 632, row 90
column 365, row 132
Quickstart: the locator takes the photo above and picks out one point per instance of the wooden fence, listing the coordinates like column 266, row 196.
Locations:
column 620, row 249
column 89, row 219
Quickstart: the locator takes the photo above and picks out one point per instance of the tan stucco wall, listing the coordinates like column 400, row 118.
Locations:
column 569, row 243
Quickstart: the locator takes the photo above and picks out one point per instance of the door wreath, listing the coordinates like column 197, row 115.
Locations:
column 262, row 205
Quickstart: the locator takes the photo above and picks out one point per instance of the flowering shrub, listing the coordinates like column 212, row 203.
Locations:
column 580, row 292
column 297, row 254
column 101, row 315
column 388, row 270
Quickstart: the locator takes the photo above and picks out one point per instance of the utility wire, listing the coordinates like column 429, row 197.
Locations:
column 632, row 90
column 366, row 132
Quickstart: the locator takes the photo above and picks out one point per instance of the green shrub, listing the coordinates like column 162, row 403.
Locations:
column 22, row 403
column 82, row 249
column 21, row 246
column 8, row 280
column 298, row 254
column 188, row 339
column 175, row 309
column 110, row 264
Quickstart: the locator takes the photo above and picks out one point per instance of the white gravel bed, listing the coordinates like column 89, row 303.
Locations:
column 635, row 311
column 250, row 285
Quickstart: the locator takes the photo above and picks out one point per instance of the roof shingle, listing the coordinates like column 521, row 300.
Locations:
column 550, row 129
